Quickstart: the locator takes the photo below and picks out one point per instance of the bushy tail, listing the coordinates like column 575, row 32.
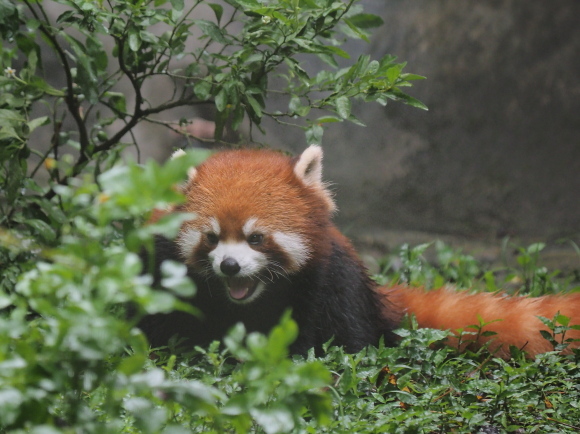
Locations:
column 513, row 319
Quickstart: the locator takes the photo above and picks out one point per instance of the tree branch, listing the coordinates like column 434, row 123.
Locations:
column 70, row 99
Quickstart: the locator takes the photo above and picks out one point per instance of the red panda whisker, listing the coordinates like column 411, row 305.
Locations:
column 261, row 279
column 276, row 274
column 204, row 267
column 281, row 274
column 278, row 270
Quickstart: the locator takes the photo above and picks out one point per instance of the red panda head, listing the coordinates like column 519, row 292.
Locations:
column 260, row 217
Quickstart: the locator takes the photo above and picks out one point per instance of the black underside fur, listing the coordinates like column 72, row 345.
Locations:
column 334, row 298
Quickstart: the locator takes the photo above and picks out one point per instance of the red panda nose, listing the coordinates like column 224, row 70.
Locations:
column 230, row 267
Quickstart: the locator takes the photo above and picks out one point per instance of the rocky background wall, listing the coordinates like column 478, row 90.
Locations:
column 497, row 154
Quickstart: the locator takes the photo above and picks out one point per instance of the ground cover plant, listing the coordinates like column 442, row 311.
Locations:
column 72, row 224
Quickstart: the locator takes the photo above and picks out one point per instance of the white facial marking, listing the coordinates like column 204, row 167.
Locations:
column 214, row 226
column 295, row 246
column 188, row 240
column 249, row 260
column 250, row 226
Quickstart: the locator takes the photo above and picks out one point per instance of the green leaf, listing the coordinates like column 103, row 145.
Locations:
column 42, row 229
column 355, row 32
column 409, row 100
column 45, row 87
column 356, row 121
column 394, row 72
column 177, row 4
column 212, row 30
column 220, row 123
column 536, row 248
column 343, row 107
column 413, row 102
column 245, row 4
column 238, row 117
column 328, row 119
column 134, row 40
column 202, row 89
column 97, row 53
column 411, row 77
column 117, row 101
column 328, row 59
column 221, row 100
column 296, row 107
column 170, row 224
column 314, row 134
column 338, row 51
column 320, row 404
column 366, row 21
column 132, row 364
column 8, row 117
column 218, row 11
column 276, row 419
column 562, row 319
column 10, row 401
column 35, row 123
column 281, row 337
column 9, row 133
column 176, row 280
column 255, row 105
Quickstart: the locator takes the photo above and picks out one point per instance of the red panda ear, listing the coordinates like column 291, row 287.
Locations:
column 191, row 173
column 181, row 187
column 308, row 169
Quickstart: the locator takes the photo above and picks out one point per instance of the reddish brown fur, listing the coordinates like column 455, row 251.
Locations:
column 518, row 324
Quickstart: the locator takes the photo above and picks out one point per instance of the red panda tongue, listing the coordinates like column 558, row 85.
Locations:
column 240, row 288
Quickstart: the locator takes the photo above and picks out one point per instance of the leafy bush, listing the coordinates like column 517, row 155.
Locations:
column 521, row 271
column 71, row 227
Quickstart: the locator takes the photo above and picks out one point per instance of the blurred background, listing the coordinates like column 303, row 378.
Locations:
column 498, row 153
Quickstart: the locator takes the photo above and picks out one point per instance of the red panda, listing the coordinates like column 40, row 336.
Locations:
column 262, row 241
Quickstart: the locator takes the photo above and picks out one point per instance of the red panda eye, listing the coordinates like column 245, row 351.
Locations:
column 255, row 239
column 212, row 238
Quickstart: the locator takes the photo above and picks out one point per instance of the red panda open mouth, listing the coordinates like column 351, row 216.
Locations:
column 241, row 289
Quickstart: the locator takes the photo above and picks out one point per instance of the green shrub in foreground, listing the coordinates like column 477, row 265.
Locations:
column 70, row 360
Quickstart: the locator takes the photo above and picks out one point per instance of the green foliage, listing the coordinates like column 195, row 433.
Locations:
column 72, row 286
column 413, row 388
column 409, row 265
column 70, row 358
column 436, row 264
column 157, row 44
